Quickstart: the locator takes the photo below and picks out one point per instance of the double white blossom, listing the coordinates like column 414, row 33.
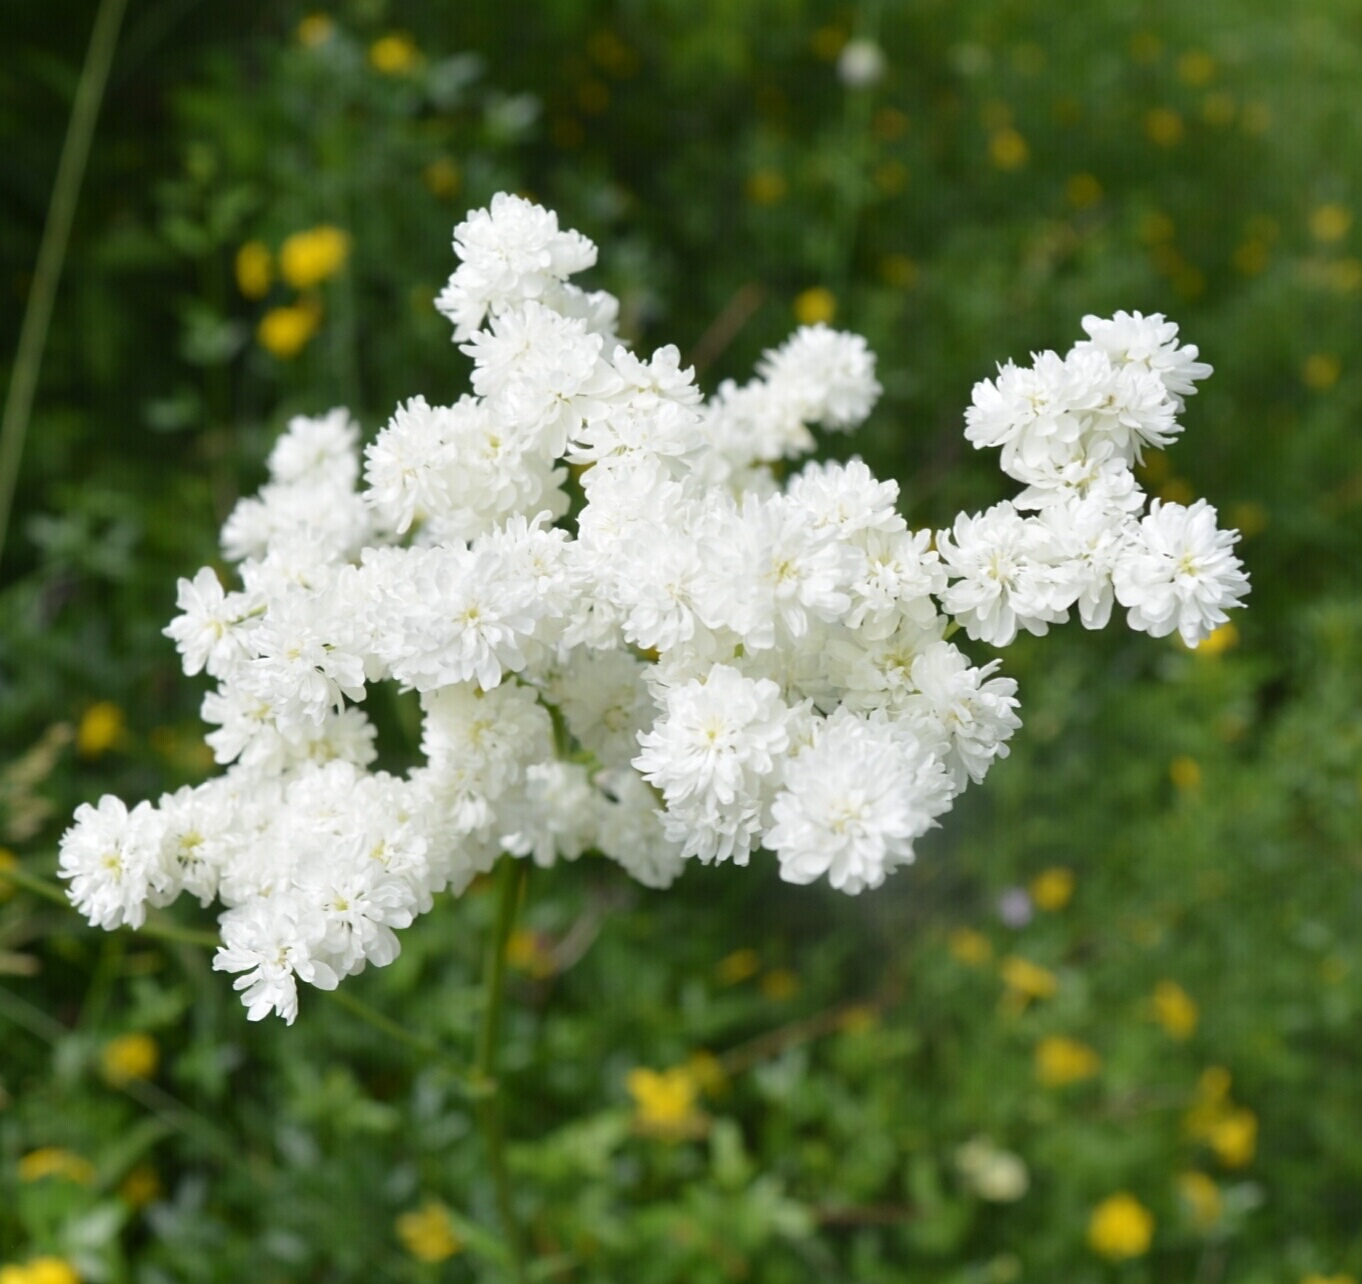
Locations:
column 701, row 664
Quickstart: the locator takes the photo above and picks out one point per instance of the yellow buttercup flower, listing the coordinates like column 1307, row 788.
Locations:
column 254, row 269
column 779, row 984
column 665, row 1103
column 428, row 1234
column 1234, row 1137
column 1007, row 149
column 738, row 966
column 1330, row 222
column 1175, row 1009
column 1026, row 979
column 8, row 860
column 1052, row 888
column 316, row 29
column 307, row 258
column 129, row 1057
column 100, row 727
column 53, row 1161
column 1321, row 371
column 141, row 1186
column 285, row 331
column 528, row 951
column 441, row 177
column 1061, row 1061
column 969, row 947
column 1309, row 1279
column 815, row 305
column 44, row 1270
column 1163, row 127
column 394, row 54
column 1201, row 1197
column 1185, row 773
column 1120, row 1227
column 1218, row 641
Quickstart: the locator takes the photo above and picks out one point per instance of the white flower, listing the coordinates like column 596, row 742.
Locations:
column 966, row 715
column 630, row 832
column 708, row 754
column 1177, row 572
column 1149, row 341
column 213, row 630
column 114, row 861
column 827, row 375
column 552, row 816
column 320, row 450
column 273, row 940
column 1004, row 575
column 511, row 252
column 860, row 63
column 853, row 803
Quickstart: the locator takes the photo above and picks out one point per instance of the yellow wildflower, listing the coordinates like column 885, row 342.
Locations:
column 1234, row 1137
column 1163, row 127
column 49, row 1270
column 708, row 1072
column 858, row 1018
column 428, row 1234
column 665, row 1103
column 969, row 947
column 1052, row 888
column 1309, row 1279
column 766, row 187
column 1201, row 1197
column 1320, row 371
column 101, row 725
column 53, row 1161
column 899, row 271
column 316, row 29
column 307, row 258
column 1007, row 149
column 1330, row 222
column 140, row 1187
column 827, row 42
column 1120, row 1227
column 1218, row 641
column 779, row 984
column 1082, row 190
column 1026, row 979
column 128, row 1057
column 394, row 54
column 1175, row 1009
column 285, row 331
column 1196, row 68
column 441, row 177
column 528, row 951
column 1061, row 1061
column 13, row 1275
column 254, row 269
column 8, row 860
column 815, row 305
column 738, row 966
column 1185, row 773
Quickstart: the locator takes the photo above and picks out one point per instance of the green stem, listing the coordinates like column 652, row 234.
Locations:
column 489, row 1108
column 20, row 877
column 61, row 210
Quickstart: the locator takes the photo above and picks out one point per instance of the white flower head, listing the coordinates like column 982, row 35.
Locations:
column 1177, row 572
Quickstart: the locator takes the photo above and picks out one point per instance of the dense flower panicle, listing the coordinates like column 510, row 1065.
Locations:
column 702, row 662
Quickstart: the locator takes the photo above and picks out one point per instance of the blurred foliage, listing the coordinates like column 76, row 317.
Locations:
column 1105, row 1029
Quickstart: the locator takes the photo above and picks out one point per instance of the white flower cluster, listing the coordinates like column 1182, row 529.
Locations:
column 701, row 664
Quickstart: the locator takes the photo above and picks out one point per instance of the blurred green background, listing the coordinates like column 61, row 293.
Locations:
column 1105, row 1030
